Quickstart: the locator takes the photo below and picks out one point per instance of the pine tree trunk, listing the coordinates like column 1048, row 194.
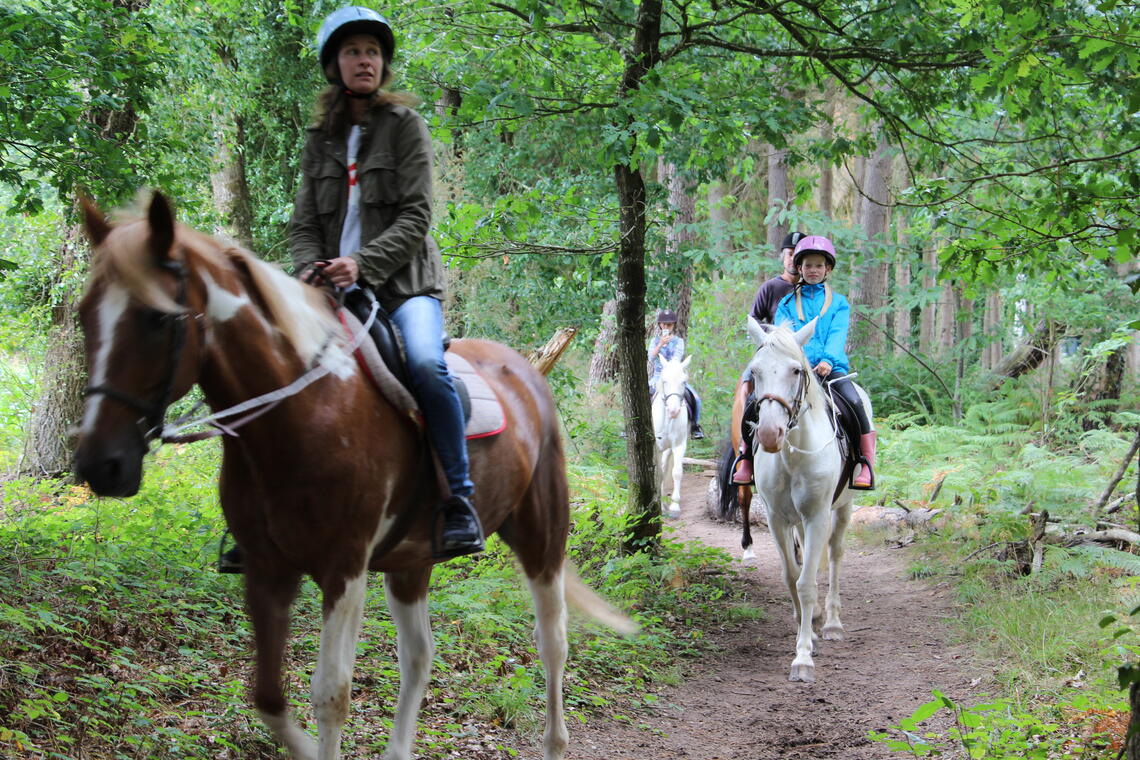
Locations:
column 947, row 314
column 680, row 237
column 719, row 218
column 778, row 197
column 826, row 172
column 926, row 327
column 992, row 328
column 902, row 326
column 869, row 287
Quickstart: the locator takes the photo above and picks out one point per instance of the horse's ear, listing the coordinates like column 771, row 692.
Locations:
column 161, row 219
column 94, row 223
column 688, row 359
column 756, row 332
column 803, row 335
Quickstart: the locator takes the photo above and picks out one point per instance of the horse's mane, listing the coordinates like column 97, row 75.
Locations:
column 784, row 340
column 298, row 311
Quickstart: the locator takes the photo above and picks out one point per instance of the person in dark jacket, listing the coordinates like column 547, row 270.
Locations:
column 361, row 218
column 764, row 311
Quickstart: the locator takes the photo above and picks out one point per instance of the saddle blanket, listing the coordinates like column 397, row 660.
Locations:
column 487, row 417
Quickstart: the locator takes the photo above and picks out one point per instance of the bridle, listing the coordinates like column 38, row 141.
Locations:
column 792, row 407
column 154, row 411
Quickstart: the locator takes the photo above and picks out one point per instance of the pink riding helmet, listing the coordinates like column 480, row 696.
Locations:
column 814, row 244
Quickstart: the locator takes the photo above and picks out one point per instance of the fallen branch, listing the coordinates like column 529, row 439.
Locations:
column 1117, row 503
column 545, row 358
column 1119, row 473
column 1112, row 534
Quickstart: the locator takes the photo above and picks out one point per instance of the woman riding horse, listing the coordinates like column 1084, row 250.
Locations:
column 361, row 217
column 668, row 345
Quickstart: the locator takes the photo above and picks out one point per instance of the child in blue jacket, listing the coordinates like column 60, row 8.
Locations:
column 813, row 298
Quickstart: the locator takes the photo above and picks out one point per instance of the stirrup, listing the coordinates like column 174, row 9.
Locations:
column 858, row 486
column 735, row 463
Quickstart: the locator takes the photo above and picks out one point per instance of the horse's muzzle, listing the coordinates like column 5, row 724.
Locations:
column 110, row 471
column 771, row 438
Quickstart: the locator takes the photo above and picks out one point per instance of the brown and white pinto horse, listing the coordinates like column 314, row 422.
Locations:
column 333, row 481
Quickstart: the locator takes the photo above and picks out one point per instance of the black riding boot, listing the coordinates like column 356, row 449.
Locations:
column 462, row 533
column 232, row 561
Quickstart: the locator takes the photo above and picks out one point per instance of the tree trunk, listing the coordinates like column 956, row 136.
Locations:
column 449, row 164
column 826, row 172
column 778, row 197
column 992, row 329
column 47, row 438
column 947, row 316
column 930, row 311
column 603, row 362
column 228, row 180
column 642, row 500
column 1032, row 352
column 680, row 237
column 719, row 218
column 869, row 288
column 902, row 326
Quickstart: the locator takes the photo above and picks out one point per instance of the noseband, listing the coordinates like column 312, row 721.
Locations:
column 793, row 408
column 154, row 412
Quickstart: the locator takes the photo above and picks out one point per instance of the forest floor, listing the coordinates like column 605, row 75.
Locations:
column 737, row 703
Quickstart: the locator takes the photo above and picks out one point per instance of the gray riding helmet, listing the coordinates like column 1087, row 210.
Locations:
column 352, row 20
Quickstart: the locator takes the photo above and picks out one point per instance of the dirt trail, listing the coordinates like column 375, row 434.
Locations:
column 738, row 703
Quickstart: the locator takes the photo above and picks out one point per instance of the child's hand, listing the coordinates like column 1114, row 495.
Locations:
column 823, row 369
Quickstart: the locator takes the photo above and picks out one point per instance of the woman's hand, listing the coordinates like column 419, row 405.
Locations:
column 823, row 369
column 341, row 272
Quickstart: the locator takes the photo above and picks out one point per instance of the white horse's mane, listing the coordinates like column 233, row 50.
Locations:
column 783, row 340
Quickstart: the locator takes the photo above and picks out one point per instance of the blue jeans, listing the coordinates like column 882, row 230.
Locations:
column 420, row 322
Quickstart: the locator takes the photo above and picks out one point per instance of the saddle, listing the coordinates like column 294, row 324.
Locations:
column 846, row 433
column 384, row 363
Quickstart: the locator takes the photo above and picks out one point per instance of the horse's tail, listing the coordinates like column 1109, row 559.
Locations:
column 729, row 504
column 585, row 599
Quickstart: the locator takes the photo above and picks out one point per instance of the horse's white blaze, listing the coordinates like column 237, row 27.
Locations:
column 222, row 305
column 110, row 312
column 332, row 681
column 414, row 649
column 550, row 635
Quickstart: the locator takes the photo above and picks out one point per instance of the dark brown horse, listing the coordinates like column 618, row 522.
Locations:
column 319, row 484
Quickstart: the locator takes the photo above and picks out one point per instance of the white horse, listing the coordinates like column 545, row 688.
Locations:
column 797, row 468
column 671, row 428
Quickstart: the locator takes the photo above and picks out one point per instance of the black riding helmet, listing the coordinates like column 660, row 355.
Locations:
column 352, row 20
column 792, row 239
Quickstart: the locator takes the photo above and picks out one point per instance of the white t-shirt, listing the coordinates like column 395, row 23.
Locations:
column 350, row 233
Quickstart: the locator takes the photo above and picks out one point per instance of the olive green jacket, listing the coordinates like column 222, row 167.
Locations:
column 398, row 257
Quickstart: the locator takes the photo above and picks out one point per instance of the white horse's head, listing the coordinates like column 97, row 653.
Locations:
column 781, row 378
column 671, row 384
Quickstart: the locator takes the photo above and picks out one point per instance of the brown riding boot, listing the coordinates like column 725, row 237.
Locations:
column 865, row 480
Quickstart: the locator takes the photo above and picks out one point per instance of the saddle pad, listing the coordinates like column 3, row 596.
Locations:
column 487, row 416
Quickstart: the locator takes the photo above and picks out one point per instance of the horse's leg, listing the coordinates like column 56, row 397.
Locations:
column 744, row 498
column 817, row 526
column 833, row 627
column 268, row 599
column 665, row 470
column 783, row 537
column 332, row 680
column 549, row 595
column 678, row 471
column 407, row 601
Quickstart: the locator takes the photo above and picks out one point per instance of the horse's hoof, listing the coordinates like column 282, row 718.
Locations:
column 748, row 555
column 674, row 510
column 833, row 633
column 802, row 672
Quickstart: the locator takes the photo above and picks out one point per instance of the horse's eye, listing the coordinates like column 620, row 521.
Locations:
column 798, row 371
